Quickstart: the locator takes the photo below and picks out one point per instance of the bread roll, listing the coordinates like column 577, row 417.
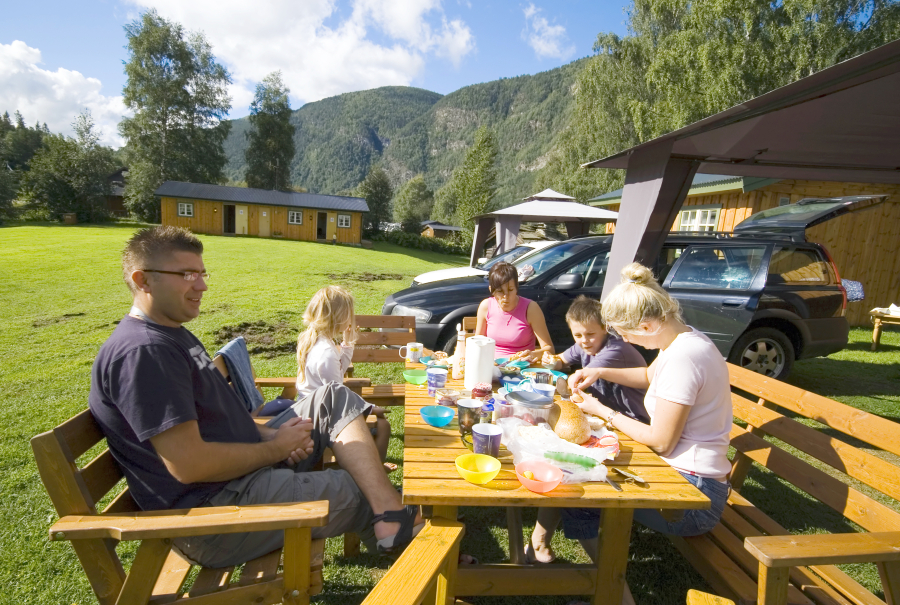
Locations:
column 568, row 421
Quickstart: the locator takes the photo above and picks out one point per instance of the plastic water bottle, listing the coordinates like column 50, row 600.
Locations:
column 459, row 354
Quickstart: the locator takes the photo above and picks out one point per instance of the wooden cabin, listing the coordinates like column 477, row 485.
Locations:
column 438, row 229
column 221, row 210
column 863, row 244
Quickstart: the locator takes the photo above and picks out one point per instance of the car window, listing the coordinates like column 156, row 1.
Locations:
column 592, row 270
column 726, row 267
column 667, row 258
column 799, row 267
column 540, row 262
column 508, row 257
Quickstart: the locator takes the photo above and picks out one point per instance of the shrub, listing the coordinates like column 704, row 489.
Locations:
column 434, row 244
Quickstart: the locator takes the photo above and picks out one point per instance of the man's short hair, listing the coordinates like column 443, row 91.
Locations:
column 148, row 246
column 500, row 274
column 585, row 310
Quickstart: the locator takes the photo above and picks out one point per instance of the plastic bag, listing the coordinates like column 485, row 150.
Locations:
column 539, row 443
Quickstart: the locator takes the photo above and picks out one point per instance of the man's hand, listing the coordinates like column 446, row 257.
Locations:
column 294, row 438
column 584, row 378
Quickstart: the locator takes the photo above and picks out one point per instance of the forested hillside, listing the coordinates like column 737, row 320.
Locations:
column 415, row 131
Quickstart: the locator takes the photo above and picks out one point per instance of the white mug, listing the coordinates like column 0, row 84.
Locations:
column 413, row 351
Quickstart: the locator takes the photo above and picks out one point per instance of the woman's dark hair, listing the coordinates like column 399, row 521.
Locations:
column 500, row 274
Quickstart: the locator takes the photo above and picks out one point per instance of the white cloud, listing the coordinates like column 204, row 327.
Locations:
column 545, row 39
column 320, row 50
column 54, row 97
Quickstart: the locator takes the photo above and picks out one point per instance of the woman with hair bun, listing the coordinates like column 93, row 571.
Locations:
column 688, row 399
column 511, row 320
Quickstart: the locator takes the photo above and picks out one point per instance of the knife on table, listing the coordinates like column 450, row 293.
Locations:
column 562, row 387
column 629, row 474
column 613, row 483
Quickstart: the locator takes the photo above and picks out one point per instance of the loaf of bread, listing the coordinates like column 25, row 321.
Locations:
column 568, row 421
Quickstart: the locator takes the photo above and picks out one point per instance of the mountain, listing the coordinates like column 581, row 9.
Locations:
column 412, row 131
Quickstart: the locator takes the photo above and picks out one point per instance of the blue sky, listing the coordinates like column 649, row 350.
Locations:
column 58, row 57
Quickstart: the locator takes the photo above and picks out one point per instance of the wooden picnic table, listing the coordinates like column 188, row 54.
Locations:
column 878, row 320
column 430, row 479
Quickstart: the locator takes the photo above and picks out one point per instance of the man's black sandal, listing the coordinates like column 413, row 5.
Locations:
column 406, row 517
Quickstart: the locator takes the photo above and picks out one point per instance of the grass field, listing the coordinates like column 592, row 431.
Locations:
column 61, row 293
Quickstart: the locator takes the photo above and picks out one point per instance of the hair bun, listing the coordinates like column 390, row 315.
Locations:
column 636, row 273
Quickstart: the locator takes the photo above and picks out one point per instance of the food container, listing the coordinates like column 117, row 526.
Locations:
column 437, row 415
column 545, row 477
column 477, row 468
column 530, row 407
column 447, row 397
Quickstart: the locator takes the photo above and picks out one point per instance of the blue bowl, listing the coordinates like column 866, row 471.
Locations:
column 437, row 415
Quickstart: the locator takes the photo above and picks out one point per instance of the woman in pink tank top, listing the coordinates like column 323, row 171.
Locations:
column 511, row 320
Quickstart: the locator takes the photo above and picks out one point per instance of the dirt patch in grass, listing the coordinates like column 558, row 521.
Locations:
column 263, row 338
column 366, row 277
column 40, row 323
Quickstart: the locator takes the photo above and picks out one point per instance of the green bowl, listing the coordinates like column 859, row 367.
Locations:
column 415, row 376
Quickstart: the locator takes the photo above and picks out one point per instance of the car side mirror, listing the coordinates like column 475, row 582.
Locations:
column 566, row 281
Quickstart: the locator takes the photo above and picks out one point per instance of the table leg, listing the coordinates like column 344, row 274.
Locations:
column 443, row 592
column 514, row 526
column 612, row 558
column 876, row 333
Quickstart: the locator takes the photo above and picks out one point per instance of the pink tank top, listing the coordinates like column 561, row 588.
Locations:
column 512, row 331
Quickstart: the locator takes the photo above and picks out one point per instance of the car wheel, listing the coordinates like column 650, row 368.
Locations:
column 765, row 351
column 449, row 346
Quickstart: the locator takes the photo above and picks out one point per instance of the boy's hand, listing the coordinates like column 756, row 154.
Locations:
column 549, row 359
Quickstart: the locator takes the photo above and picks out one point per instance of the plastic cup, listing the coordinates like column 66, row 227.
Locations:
column 486, row 439
column 437, row 379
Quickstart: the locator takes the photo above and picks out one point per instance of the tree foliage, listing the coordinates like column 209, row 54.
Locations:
column 70, row 174
column 271, row 136
column 377, row 191
column 178, row 93
column 474, row 184
column 683, row 61
column 18, row 142
column 413, row 204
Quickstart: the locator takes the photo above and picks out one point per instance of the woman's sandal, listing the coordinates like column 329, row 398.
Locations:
column 406, row 517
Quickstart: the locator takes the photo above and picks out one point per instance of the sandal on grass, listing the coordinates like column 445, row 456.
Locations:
column 390, row 467
column 406, row 517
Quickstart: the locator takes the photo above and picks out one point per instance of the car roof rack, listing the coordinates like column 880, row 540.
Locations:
column 791, row 236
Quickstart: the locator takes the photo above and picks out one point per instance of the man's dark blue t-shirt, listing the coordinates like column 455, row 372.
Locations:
column 148, row 378
column 615, row 353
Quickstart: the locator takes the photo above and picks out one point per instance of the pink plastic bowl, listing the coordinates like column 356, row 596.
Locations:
column 546, row 476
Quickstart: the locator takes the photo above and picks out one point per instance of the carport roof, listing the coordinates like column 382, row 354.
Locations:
column 840, row 124
column 245, row 195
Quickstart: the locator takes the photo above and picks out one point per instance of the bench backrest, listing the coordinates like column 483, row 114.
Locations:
column 76, row 491
column 840, row 464
column 394, row 330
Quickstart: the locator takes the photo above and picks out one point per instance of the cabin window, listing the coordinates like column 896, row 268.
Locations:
column 295, row 217
column 343, row 220
column 185, row 209
column 705, row 219
column 784, row 201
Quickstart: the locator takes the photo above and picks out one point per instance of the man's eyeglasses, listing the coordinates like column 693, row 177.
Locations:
column 187, row 275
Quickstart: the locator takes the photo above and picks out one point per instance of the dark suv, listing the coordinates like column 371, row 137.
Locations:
column 763, row 294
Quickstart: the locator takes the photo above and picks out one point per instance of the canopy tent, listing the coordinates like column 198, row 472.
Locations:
column 548, row 206
column 840, row 124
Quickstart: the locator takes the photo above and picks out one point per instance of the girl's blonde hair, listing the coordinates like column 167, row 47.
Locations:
column 329, row 311
column 637, row 299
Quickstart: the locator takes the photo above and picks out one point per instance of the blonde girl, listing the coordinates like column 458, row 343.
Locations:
column 330, row 316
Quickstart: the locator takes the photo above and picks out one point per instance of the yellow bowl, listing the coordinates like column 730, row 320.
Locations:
column 477, row 468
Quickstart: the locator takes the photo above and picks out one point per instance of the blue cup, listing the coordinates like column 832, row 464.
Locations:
column 437, row 379
column 486, row 439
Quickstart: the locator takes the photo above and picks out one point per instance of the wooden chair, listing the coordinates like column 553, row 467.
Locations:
column 394, row 330
column 424, row 570
column 158, row 573
column 695, row 597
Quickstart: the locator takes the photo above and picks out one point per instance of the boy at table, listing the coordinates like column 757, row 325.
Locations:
column 594, row 347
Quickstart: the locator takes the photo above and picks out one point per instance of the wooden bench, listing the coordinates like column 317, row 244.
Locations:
column 158, row 573
column 834, row 473
column 424, row 570
column 401, row 329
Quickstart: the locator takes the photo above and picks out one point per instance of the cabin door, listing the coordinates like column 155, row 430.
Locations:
column 321, row 225
column 332, row 226
column 265, row 217
column 240, row 220
column 228, row 219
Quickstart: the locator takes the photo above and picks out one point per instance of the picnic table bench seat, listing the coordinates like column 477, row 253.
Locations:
column 158, row 573
column 846, row 469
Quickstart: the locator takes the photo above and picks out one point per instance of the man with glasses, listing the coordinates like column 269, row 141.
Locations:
column 184, row 439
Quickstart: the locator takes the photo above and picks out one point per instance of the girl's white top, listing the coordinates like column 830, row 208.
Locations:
column 691, row 372
column 326, row 362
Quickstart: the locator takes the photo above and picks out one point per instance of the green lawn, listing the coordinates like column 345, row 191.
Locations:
column 61, row 293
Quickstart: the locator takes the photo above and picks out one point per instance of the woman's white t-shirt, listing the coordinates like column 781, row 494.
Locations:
column 691, row 371
column 323, row 365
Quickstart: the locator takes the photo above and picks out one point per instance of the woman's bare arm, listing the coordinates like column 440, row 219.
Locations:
column 481, row 319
